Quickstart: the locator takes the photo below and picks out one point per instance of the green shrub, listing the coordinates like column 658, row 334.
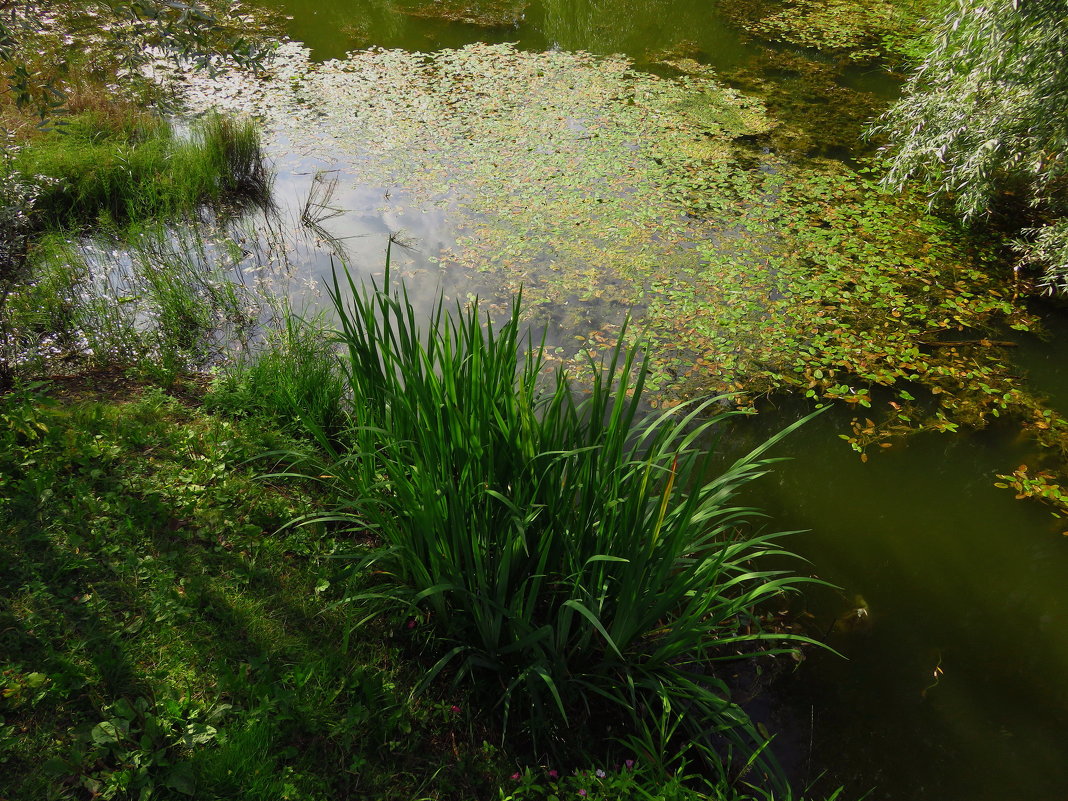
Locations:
column 573, row 559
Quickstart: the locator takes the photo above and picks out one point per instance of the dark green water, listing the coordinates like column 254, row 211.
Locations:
column 956, row 690
column 957, row 576
column 634, row 27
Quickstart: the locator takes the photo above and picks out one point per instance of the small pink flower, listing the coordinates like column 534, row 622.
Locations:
column 582, row 793
column 515, row 776
column 454, row 709
column 411, row 623
column 629, row 764
column 553, row 774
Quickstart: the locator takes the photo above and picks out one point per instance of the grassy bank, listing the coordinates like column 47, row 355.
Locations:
column 164, row 635
column 114, row 165
column 162, row 638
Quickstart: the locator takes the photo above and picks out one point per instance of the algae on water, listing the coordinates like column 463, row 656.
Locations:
column 568, row 173
column 860, row 30
column 484, row 13
column 604, row 191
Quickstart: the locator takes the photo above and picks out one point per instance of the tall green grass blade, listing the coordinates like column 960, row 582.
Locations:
column 567, row 551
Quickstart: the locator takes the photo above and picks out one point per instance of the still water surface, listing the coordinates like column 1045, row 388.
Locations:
column 954, row 688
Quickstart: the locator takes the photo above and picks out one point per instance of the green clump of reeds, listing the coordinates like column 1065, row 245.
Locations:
column 132, row 166
column 577, row 561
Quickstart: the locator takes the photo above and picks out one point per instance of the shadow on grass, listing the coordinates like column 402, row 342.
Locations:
column 141, row 588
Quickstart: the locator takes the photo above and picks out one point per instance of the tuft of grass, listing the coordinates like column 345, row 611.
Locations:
column 294, row 380
column 232, row 148
column 121, row 167
column 570, row 557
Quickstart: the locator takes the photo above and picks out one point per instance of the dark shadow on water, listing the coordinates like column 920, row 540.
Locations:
column 952, row 685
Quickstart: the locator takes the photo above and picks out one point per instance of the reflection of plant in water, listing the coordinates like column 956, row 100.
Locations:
column 154, row 298
column 589, row 25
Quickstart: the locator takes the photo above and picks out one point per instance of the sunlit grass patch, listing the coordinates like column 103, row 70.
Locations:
column 295, row 379
column 132, row 166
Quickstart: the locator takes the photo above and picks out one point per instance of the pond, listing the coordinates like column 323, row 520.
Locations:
column 952, row 608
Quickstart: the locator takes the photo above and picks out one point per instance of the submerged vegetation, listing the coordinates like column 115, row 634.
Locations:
column 860, row 30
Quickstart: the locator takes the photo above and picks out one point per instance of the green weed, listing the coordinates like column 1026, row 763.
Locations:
column 568, row 556
column 295, row 377
column 133, row 167
column 628, row 781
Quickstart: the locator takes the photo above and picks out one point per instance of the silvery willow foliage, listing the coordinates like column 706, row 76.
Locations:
column 986, row 113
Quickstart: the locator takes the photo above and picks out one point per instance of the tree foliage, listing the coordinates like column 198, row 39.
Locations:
column 984, row 120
